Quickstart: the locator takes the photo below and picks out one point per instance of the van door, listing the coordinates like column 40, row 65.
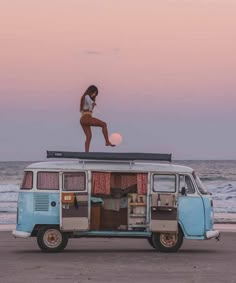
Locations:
column 74, row 212
column 164, row 216
column 191, row 207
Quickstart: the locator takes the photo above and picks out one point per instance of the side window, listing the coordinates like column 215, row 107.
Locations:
column 48, row 181
column 185, row 181
column 27, row 183
column 74, row 181
column 164, row 183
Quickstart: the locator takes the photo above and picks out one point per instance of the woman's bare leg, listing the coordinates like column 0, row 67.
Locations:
column 88, row 134
column 88, row 120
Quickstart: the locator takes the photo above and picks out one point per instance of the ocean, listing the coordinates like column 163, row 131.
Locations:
column 218, row 176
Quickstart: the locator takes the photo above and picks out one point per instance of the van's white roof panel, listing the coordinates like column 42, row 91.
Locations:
column 108, row 166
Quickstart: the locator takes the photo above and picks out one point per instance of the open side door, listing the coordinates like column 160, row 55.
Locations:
column 74, row 196
column 164, row 213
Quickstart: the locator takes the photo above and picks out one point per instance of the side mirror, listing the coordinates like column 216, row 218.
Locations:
column 183, row 191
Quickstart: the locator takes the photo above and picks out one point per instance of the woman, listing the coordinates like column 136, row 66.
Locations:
column 87, row 103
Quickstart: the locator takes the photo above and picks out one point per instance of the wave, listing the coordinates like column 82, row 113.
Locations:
column 230, row 197
column 215, row 178
column 8, row 218
column 10, row 201
column 5, row 192
column 9, row 188
column 8, row 197
column 7, row 211
column 221, row 186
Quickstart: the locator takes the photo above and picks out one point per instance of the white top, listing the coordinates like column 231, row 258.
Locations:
column 88, row 103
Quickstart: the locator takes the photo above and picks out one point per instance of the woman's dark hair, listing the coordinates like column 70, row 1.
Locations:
column 89, row 91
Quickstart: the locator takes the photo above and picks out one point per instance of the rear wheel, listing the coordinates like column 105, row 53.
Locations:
column 51, row 239
column 168, row 242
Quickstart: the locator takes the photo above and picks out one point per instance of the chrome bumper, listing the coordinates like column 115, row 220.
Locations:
column 213, row 234
column 20, row 234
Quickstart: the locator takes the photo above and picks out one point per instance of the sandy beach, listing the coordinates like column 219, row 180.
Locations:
column 116, row 260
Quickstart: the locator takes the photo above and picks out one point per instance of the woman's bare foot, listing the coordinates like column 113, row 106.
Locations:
column 110, row 144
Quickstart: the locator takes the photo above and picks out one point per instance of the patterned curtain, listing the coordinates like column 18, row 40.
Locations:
column 101, row 183
column 48, row 181
column 142, row 183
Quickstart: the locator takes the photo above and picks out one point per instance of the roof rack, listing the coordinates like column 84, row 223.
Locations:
column 122, row 156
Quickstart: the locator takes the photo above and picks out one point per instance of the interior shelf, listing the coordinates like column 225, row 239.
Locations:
column 137, row 225
column 137, row 215
column 137, row 204
column 137, row 211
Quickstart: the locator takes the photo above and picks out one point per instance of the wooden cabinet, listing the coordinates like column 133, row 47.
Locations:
column 95, row 217
column 136, row 211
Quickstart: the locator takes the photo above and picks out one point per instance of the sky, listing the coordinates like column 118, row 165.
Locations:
column 165, row 70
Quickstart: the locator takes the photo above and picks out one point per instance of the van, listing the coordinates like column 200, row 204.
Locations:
column 134, row 195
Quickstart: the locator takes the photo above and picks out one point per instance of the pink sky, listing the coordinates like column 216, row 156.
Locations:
column 161, row 67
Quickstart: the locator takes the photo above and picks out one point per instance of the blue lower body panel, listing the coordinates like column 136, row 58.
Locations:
column 37, row 208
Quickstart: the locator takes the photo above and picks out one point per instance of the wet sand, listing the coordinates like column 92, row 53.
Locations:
column 117, row 260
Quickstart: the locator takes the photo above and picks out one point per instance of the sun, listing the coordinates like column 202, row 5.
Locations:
column 116, row 138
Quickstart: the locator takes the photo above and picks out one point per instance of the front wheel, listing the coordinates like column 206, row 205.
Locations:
column 167, row 242
column 51, row 239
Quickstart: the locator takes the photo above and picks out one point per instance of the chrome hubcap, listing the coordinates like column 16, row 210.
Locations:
column 52, row 238
column 168, row 240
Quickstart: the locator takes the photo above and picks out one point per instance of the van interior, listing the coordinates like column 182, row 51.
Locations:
column 118, row 201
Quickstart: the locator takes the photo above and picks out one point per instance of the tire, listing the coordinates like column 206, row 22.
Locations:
column 168, row 242
column 51, row 239
column 150, row 242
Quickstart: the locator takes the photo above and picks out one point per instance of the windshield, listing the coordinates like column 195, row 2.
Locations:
column 201, row 187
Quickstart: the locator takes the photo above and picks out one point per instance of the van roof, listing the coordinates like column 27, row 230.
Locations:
column 97, row 165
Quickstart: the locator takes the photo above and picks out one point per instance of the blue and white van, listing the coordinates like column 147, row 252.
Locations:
column 113, row 195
